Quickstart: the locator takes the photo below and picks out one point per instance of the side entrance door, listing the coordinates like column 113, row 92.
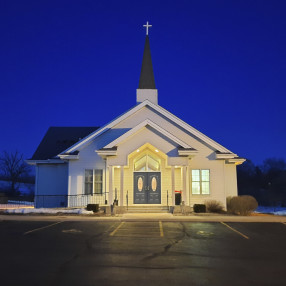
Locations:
column 147, row 188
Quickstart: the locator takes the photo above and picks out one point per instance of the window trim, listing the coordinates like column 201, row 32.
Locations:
column 200, row 182
column 93, row 182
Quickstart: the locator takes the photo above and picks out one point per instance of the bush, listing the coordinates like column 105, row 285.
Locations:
column 214, row 206
column 92, row 207
column 242, row 205
column 199, row 208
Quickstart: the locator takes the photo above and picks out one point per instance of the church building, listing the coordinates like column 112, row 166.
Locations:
column 144, row 157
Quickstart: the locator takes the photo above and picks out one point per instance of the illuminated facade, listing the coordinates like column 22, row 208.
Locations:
column 141, row 158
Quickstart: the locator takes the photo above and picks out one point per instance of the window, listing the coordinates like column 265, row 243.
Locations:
column 98, row 181
column 88, row 182
column 147, row 163
column 200, row 182
column 93, row 182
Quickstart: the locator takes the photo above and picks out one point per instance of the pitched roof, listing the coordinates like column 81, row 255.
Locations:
column 140, row 126
column 161, row 111
column 58, row 139
column 147, row 80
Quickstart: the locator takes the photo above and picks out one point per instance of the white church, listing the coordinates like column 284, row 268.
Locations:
column 141, row 158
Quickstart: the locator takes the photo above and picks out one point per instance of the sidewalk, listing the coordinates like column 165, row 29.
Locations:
column 148, row 217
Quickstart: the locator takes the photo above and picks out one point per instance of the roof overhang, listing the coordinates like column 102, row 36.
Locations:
column 236, row 161
column 104, row 152
column 187, row 152
column 157, row 108
column 224, row 156
column 140, row 126
column 48, row 161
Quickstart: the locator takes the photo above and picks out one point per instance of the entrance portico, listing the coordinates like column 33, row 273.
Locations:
column 147, row 178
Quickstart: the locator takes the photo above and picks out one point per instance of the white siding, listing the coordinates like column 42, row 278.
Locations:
column 52, row 185
column 222, row 176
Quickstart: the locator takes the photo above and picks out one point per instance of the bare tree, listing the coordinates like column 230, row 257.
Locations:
column 13, row 167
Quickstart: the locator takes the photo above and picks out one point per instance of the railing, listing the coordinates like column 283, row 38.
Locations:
column 167, row 198
column 51, row 201
column 56, row 201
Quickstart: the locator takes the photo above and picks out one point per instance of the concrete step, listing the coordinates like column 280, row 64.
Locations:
column 148, row 209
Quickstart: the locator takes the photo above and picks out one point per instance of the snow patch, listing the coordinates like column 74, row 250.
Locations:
column 271, row 210
column 47, row 211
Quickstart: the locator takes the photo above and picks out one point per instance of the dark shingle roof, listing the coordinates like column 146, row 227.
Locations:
column 58, row 139
column 147, row 80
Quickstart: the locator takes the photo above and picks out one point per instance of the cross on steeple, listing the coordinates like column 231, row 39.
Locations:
column 147, row 27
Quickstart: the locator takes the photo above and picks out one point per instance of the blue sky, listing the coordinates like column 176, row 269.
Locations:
column 219, row 65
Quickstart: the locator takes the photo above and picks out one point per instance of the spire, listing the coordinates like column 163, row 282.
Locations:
column 147, row 80
column 147, row 89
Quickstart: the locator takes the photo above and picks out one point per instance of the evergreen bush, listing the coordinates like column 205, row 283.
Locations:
column 199, row 208
column 92, row 207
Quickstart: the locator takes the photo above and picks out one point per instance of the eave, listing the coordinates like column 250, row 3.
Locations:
column 107, row 152
column 236, row 161
column 157, row 108
column 143, row 124
column 224, row 156
column 48, row 161
column 189, row 152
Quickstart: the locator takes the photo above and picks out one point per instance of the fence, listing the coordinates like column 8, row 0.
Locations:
column 61, row 201
column 51, row 201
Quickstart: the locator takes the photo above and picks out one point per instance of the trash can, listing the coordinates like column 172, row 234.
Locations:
column 178, row 198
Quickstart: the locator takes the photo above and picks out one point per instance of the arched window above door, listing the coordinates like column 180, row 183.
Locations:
column 147, row 163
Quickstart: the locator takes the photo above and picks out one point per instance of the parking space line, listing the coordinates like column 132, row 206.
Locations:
column 40, row 228
column 112, row 233
column 238, row 232
column 161, row 229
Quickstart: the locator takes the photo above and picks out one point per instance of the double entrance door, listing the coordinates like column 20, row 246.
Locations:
column 147, row 188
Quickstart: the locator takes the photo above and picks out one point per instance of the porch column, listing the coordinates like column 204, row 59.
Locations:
column 121, row 185
column 184, row 198
column 173, row 184
column 110, row 195
column 187, row 186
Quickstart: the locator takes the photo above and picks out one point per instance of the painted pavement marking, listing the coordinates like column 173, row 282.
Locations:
column 161, row 229
column 40, row 228
column 243, row 235
column 112, row 233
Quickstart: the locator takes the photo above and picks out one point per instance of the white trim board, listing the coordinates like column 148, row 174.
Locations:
column 160, row 110
column 140, row 126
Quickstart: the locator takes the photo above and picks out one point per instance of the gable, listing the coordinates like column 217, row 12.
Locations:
column 138, row 114
column 142, row 125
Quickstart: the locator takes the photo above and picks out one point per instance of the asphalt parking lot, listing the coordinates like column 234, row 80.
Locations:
column 142, row 253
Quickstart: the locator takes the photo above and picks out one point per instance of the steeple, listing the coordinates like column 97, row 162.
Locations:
column 147, row 80
column 147, row 88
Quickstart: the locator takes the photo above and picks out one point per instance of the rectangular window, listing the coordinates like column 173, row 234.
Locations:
column 93, row 182
column 200, row 182
column 88, row 183
column 98, row 181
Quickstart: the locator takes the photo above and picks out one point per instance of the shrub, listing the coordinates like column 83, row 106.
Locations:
column 199, row 208
column 242, row 205
column 92, row 207
column 214, row 206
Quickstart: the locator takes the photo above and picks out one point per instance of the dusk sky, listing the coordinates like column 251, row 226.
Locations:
column 218, row 65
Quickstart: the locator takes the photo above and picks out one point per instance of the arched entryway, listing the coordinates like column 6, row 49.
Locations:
column 147, row 178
